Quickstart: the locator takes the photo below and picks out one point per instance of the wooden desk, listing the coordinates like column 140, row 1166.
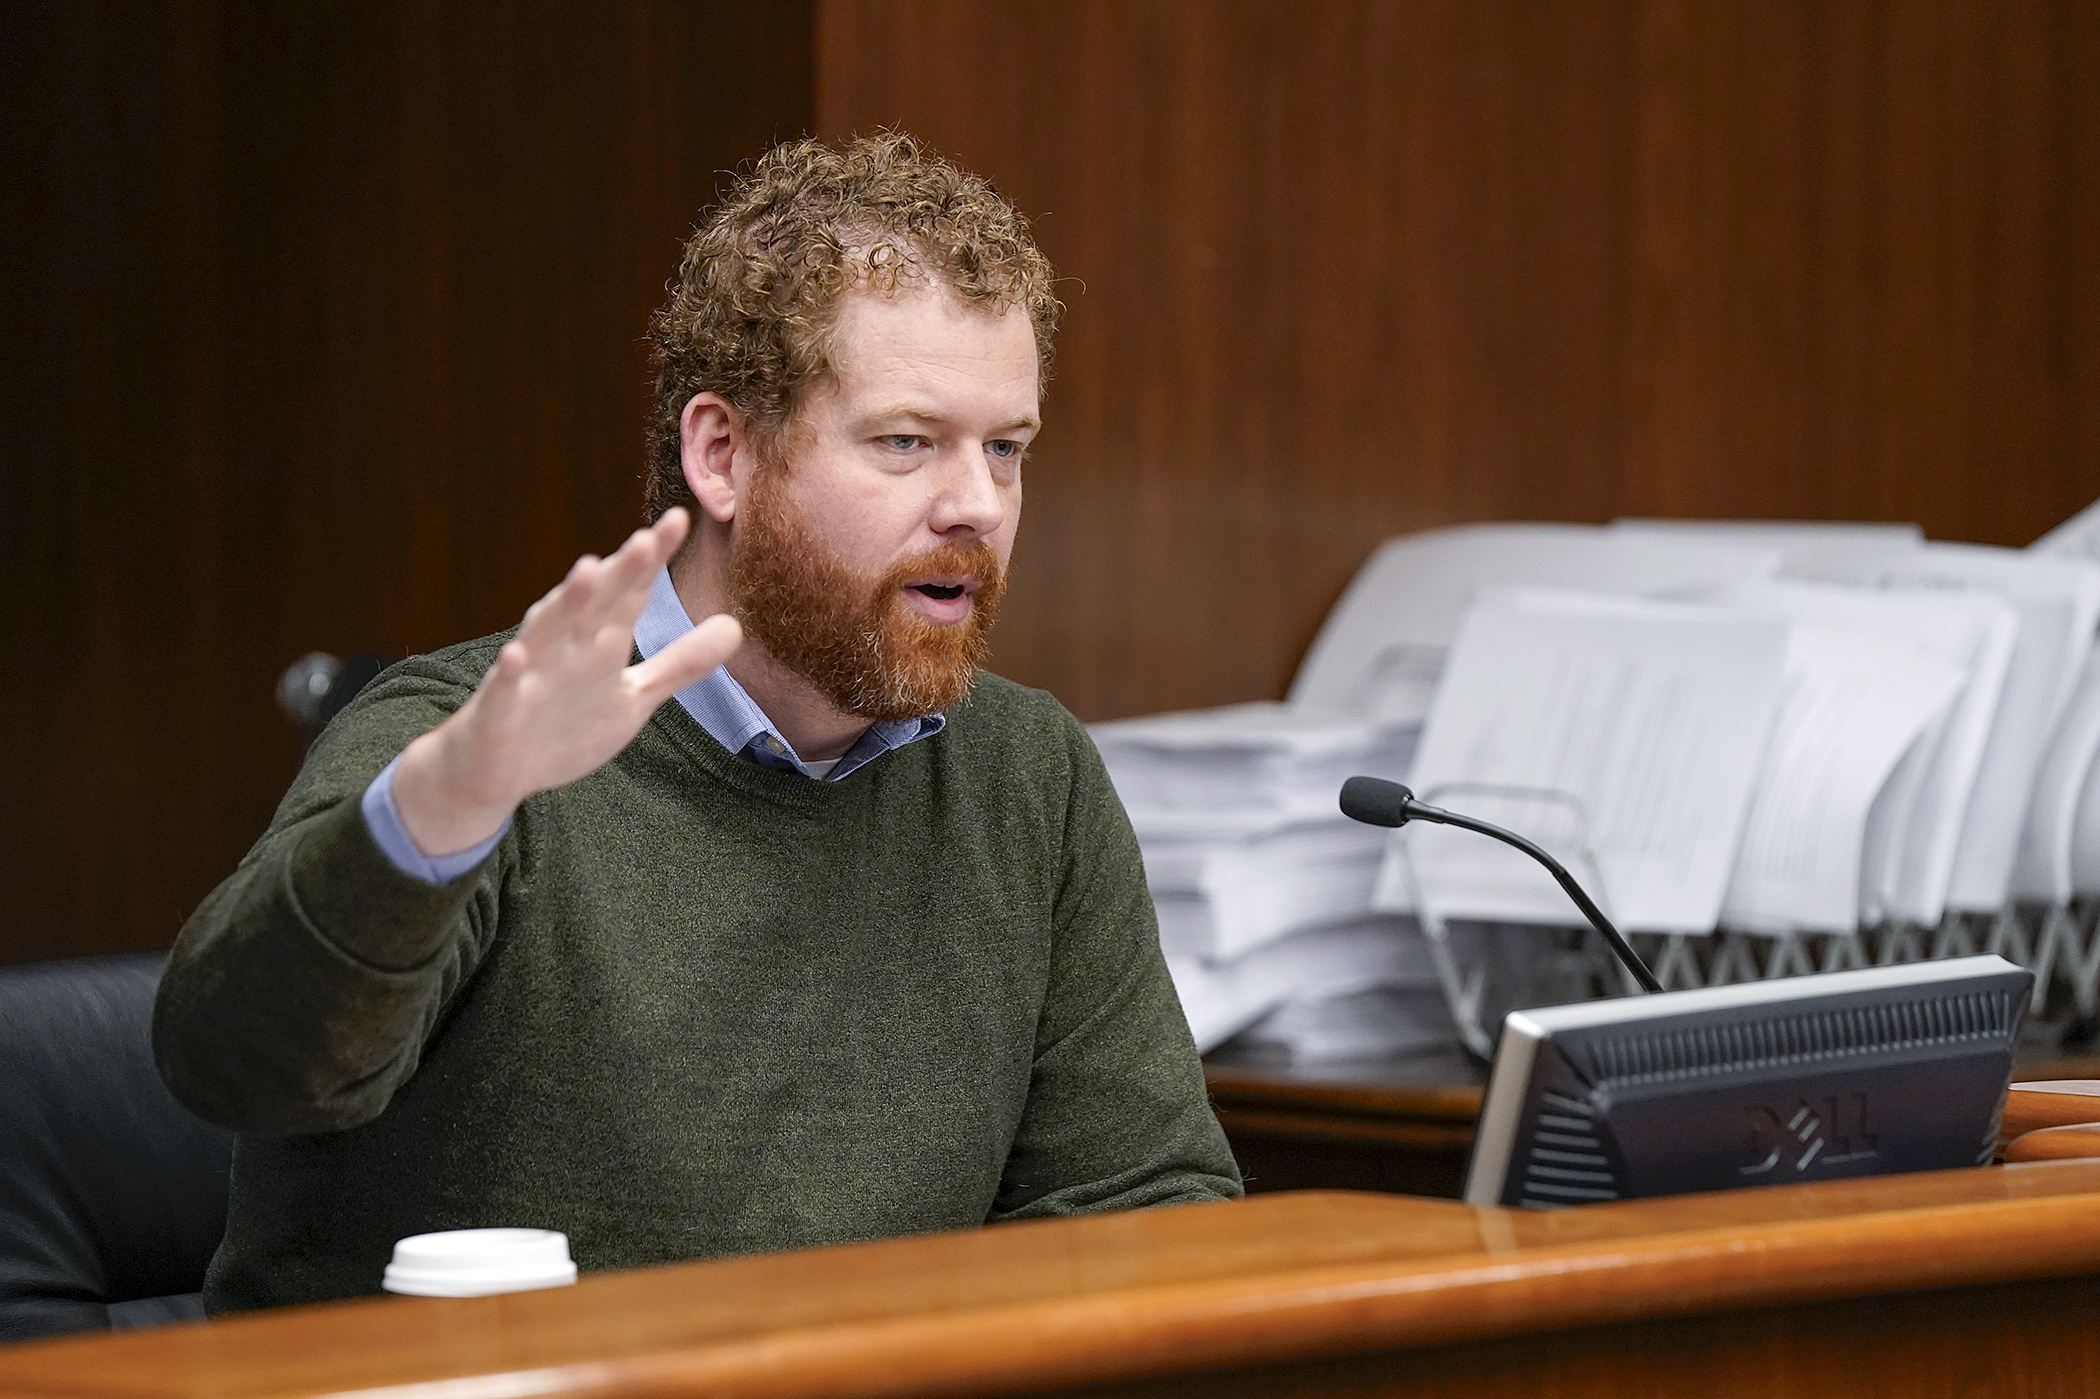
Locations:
column 1978, row 1282
column 1401, row 1125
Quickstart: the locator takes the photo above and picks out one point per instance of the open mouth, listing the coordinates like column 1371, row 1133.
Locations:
column 940, row 592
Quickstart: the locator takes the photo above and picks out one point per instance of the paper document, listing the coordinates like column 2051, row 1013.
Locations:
column 2077, row 537
column 1381, row 649
column 1244, row 766
column 1790, row 537
column 1652, row 716
column 2085, row 842
column 1908, row 856
column 1222, row 998
column 2059, row 856
column 2058, row 601
column 2047, row 866
column 1852, row 707
column 1219, row 898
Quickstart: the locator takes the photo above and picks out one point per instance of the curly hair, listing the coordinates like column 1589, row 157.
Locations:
column 758, row 290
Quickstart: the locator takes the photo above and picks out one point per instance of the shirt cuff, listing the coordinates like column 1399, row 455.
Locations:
column 383, row 820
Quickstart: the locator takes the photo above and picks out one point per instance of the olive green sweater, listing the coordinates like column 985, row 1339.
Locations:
column 689, row 1006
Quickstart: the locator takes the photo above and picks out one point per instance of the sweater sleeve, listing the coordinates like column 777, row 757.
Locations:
column 1117, row 1114
column 301, row 992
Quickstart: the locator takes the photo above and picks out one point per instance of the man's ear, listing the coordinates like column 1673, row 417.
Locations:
column 715, row 451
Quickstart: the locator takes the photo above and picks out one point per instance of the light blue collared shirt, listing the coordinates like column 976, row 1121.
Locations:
column 734, row 720
column 717, row 703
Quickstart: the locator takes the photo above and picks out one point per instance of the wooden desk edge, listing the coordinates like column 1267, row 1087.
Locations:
column 1271, row 1317
column 1374, row 1306
column 1238, row 1086
column 1407, row 1135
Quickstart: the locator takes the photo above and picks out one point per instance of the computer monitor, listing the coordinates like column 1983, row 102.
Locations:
column 1852, row 1073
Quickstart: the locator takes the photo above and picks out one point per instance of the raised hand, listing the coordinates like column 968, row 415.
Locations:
column 560, row 702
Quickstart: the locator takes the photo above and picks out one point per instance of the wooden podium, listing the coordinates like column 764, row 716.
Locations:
column 1977, row 1282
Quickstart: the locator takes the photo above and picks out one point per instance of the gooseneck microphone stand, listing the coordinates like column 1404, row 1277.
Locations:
column 1377, row 802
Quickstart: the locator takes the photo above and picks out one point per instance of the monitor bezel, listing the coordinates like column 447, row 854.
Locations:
column 1523, row 1031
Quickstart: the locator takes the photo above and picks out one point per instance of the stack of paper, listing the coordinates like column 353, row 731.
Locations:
column 2066, row 813
column 1891, row 729
column 2062, row 834
column 2076, row 538
column 1263, row 887
column 1287, row 982
column 1380, row 653
column 1245, row 765
column 1221, row 894
column 1937, row 653
column 1854, row 705
column 1779, row 726
column 1651, row 716
column 2057, row 602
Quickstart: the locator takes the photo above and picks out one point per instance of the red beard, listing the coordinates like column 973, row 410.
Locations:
column 859, row 643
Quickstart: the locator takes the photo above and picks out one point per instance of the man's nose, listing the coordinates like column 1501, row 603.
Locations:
column 970, row 499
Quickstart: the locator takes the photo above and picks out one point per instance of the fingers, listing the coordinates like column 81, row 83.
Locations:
column 598, row 593
column 561, row 610
column 686, row 659
column 613, row 593
column 621, row 588
column 498, row 691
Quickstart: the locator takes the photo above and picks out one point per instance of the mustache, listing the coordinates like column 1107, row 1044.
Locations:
column 973, row 559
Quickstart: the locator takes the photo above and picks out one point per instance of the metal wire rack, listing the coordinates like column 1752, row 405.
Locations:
column 1489, row 969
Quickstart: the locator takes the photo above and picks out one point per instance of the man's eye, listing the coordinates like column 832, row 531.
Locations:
column 1004, row 449
column 902, row 441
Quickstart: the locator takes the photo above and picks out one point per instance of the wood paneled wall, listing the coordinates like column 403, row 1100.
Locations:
column 325, row 323
column 1349, row 269
column 328, row 339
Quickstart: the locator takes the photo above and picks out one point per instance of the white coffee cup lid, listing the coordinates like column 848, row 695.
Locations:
column 478, row 1262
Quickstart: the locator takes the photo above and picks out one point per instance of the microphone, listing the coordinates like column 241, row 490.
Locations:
column 1377, row 802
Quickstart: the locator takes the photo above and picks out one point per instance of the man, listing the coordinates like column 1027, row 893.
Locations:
column 841, row 941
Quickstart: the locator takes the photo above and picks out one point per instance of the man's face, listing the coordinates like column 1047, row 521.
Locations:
column 873, row 564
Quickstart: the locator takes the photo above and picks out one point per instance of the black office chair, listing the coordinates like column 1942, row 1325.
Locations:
column 112, row 1196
